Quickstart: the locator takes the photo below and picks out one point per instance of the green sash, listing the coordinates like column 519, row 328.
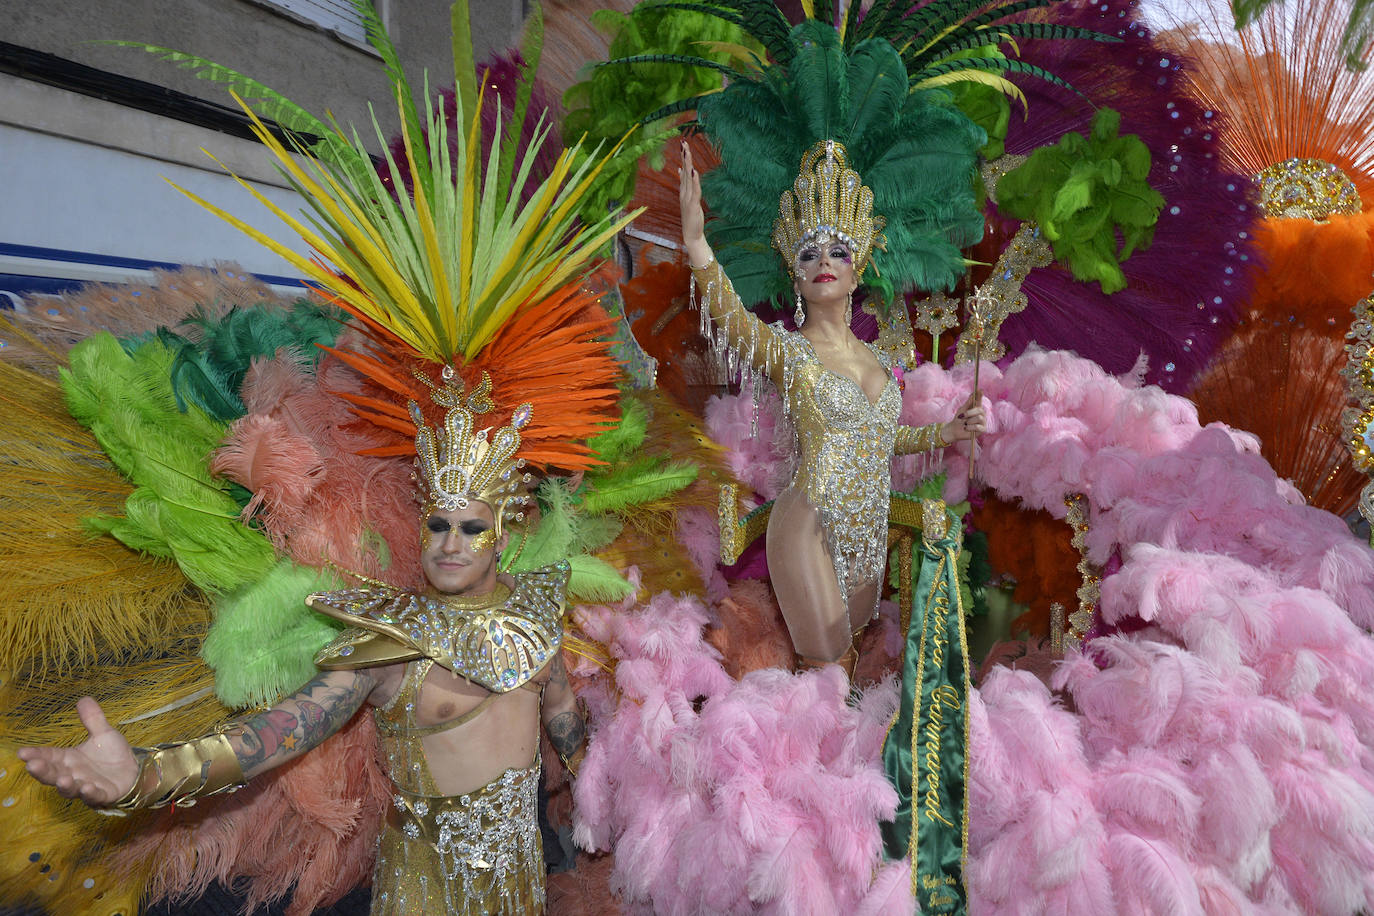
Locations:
column 930, row 730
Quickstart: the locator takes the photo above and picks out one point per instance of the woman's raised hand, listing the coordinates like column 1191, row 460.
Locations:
column 98, row 771
column 693, row 218
column 968, row 423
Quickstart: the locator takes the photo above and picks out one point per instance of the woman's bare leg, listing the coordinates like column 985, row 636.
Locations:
column 803, row 575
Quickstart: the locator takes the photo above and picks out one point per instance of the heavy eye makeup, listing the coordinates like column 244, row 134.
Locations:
column 836, row 252
column 439, row 525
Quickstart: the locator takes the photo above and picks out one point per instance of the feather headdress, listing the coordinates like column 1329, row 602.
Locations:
column 1298, row 125
column 872, row 81
column 435, row 276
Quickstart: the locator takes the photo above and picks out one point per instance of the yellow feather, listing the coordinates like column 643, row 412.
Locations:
column 998, row 82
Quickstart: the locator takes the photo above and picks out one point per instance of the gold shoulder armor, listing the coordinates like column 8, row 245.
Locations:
column 499, row 640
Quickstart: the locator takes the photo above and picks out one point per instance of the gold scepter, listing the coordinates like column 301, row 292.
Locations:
column 974, row 305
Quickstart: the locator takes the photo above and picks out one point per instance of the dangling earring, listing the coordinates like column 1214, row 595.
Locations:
column 799, row 315
column 849, row 309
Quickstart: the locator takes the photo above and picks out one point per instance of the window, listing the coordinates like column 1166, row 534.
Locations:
column 335, row 15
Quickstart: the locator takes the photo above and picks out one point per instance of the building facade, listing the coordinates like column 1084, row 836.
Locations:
column 92, row 133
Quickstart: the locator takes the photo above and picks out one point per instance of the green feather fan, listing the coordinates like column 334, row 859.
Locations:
column 177, row 509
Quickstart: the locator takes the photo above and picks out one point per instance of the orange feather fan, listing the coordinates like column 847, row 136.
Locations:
column 553, row 354
column 656, row 190
column 665, row 325
column 1286, row 90
column 1288, row 93
column 1283, row 385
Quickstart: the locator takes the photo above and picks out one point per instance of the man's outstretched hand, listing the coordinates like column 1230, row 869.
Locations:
column 98, row 771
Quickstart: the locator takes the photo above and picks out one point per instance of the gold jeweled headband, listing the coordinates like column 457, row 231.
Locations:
column 456, row 464
column 828, row 201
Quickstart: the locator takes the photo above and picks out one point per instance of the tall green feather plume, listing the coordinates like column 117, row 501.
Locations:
column 323, row 139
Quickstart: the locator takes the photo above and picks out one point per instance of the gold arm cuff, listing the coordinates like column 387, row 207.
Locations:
column 178, row 774
column 914, row 439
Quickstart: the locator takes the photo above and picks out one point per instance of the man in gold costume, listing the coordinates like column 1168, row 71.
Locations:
column 458, row 677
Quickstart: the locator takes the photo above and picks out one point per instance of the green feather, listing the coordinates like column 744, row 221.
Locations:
column 264, row 637
column 641, row 482
column 1085, row 193
column 552, row 539
column 878, row 87
column 400, row 86
column 616, row 443
column 214, row 356
column 176, row 510
column 531, row 50
column 464, row 60
column 683, row 59
column 324, row 141
column 820, row 75
column 594, row 580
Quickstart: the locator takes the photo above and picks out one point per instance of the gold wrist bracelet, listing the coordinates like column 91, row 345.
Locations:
column 915, row 439
column 178, row 774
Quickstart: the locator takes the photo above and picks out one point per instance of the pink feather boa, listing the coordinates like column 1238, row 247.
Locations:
column 1217, row 759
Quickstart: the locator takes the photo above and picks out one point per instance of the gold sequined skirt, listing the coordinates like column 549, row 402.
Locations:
column 477, row 854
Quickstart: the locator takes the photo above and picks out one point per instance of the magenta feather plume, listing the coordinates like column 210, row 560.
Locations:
column 1183, row 291
column 502, row 73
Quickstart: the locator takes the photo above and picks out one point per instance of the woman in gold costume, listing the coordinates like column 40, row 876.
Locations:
column 827, row 531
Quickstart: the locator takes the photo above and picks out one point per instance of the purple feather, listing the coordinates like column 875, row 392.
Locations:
column 502, row 78
column 1183, row 291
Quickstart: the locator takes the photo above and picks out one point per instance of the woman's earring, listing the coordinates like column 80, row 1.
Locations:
column 849, row 309
column 799, row 315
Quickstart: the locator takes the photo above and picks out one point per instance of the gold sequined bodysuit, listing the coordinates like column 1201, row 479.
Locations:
column 476, row 853
column 843, row 443
column 479, row 852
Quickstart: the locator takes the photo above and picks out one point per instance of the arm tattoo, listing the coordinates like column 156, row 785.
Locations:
column 567, row 731
column 301, row 721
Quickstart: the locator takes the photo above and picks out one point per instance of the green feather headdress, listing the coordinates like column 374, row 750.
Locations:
column 875, row 83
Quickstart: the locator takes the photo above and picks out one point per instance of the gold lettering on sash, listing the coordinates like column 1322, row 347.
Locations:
column 943, row 696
